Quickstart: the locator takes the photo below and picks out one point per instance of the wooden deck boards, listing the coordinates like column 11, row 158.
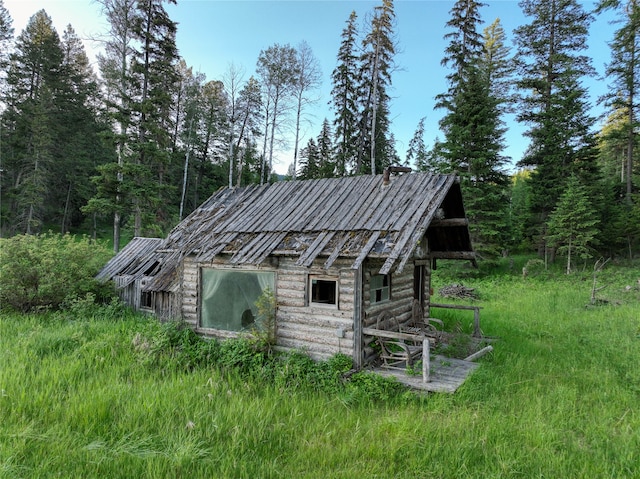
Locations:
column 447, row 375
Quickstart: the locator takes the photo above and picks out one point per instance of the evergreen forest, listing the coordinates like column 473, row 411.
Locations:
column 132, row 145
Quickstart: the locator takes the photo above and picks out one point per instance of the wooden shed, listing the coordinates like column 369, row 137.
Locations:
column 334, row 253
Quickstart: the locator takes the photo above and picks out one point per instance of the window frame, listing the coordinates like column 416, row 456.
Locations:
column 201, row 310
column 318, row 277
column 373, row 291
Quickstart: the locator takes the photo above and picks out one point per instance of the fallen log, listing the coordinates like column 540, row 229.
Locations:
column 479, row 354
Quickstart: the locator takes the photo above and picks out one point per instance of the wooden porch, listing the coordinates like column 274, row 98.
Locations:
column 446, row 375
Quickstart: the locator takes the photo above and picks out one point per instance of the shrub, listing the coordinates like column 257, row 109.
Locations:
column 44, row 271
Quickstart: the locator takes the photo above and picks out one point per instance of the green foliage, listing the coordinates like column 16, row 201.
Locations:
column 81, row 397
column 553, row 100
column 45, row 271
column 572, row 226
column 266, row 306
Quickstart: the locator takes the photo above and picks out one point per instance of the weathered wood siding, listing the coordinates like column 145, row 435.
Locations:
column 190, row 288
column 400, row 304
column 320, row 331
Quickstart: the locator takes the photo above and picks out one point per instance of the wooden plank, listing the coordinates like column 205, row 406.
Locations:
column 446, row 375
column 398, row 197
column 335, row 195
column 365, row 250
column 454, row 306
column 449, row 222
column 357, row 319
column 256, row 242
column 415, row 228
column 426, row 358
column 381, row 333
column 336, row 251
column 470, row 255
column 357, row 205
column 259, row 256
column 303, row 206
column 264, row 218
column 306, row 259
column 209, row 254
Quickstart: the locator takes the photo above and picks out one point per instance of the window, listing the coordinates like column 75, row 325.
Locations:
column 380, row 288
column 145, row 300
column 228, row 298
column 324, row 291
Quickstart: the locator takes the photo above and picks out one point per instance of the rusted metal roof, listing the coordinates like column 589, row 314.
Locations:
column 354, row 217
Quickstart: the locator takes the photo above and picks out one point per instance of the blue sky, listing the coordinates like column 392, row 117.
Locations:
column 212, row 34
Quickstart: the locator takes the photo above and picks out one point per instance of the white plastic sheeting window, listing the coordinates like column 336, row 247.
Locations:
column 380, row 288
column 228, row 298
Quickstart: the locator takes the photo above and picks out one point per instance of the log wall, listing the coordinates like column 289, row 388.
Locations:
column 320, row 331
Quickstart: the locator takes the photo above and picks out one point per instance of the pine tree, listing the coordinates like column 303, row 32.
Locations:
column 344, row 99
column 249, row 117
column 497, row 65
column 464, row 49
column 472, row 126
column 473, row 148
column 624, row 73
column 553, row 101
column 80, row 131
column 326, row 162
column 6, row 39
column 154, row 78
column 115, row 71
column 211, row 142
column 29, row 123
column 376, row 65
column 417, row 152
column 309, row 159
column 573, row 224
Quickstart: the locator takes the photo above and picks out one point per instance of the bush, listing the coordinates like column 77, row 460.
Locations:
column 44, row 271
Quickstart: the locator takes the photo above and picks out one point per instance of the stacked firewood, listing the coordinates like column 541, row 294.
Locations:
column 458, row 291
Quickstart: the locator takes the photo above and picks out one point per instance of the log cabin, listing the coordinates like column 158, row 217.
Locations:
column 331, row 254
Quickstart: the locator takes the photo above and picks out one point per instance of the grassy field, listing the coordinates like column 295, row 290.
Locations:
column 83, row 395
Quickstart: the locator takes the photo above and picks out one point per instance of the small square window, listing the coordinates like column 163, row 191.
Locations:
column 380, row 288
column 324, row 291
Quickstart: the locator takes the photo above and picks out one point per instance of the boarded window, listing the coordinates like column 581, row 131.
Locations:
column 228, row 298
column 380, row 288
column 324, row 291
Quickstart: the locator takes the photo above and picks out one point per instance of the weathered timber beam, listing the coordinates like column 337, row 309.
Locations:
column 381, row 333
column 453, row 255
column 448, row 222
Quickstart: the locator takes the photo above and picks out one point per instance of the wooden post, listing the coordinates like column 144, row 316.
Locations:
column 479, row 354
column 357, row 319
column 476, row 323
column 426, row 367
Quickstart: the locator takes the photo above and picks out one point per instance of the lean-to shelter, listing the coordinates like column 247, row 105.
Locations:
column 331, row 254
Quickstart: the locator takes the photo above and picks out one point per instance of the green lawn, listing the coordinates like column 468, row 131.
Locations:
column 83, row 397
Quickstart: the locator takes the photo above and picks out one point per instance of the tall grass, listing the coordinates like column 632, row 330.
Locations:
column 96, row 395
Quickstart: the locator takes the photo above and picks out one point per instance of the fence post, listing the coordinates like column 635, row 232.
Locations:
column 426, row 367
column 476, row 323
